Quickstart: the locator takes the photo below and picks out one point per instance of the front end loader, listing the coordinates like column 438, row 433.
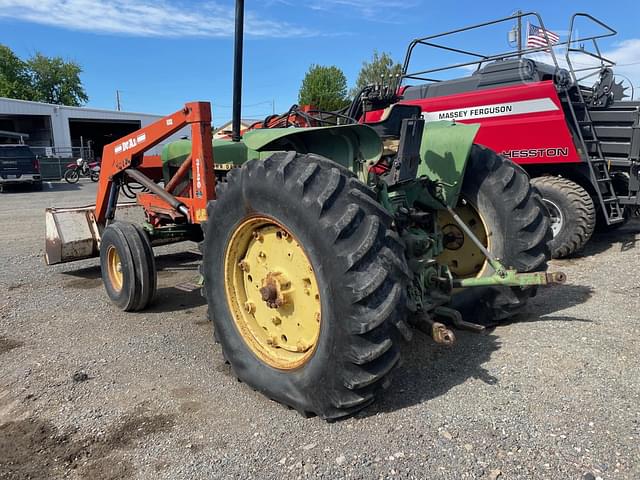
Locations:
column 319, row 244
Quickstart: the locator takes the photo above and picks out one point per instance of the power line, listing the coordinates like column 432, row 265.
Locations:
column 270, row 102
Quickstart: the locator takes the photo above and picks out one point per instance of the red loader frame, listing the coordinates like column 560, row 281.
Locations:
column 75, row 233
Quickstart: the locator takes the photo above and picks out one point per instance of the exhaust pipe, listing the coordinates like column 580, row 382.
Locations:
column 237, row 72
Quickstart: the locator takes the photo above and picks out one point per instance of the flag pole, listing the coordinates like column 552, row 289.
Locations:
column 519, row 13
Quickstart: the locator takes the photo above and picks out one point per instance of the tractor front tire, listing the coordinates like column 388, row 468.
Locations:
column 573, row 214
column 128, row 266
column 304, row 280
column 514, row 225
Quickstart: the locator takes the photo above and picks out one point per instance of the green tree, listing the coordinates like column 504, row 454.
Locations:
column 55, row 80
column 14, row 76
column 324, row 88
column 381, row 65
column 41, row 78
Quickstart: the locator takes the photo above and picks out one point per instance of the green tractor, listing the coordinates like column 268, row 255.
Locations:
column 313, row 265
column 325, row 245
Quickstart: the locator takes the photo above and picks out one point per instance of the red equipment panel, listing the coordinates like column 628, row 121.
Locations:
column 525, row 122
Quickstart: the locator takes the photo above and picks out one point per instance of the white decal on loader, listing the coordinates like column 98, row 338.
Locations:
column 493, row 110
column 130, row 143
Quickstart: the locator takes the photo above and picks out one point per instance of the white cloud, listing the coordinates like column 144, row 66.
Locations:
column 146, row 18
column 389, row 11
column 626, row 54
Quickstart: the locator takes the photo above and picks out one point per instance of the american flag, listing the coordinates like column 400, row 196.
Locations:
column 536, row 37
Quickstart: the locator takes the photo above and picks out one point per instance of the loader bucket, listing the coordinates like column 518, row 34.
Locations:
column 72, row 233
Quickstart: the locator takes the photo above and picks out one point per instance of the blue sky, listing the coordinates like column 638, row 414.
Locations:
column 161, row 54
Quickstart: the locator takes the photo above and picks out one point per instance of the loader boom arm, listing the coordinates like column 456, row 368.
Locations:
column 127, row 153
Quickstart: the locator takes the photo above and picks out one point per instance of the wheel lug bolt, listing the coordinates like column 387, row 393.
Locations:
column 249, row 307
column 276, row 320
column 244, row 266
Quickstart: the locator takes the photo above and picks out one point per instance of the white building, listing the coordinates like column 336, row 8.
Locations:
column 61, row 131
column 225, row 130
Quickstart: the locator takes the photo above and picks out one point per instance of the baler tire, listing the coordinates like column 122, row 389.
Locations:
column 577, row 209
column 137, row 265
column 518, row 226
column 358, row 264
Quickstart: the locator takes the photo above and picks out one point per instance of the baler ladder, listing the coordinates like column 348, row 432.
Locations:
column 592, row 150
column 585, row 129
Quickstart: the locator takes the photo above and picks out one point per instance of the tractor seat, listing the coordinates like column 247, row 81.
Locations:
column 392, row 118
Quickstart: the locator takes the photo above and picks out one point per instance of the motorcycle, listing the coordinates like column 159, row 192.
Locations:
column 82, row 168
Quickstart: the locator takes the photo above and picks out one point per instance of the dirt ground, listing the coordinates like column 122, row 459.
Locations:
column 87, row 391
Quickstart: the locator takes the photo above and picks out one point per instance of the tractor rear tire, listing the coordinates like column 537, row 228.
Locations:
column 128, row 266
column 340, row 236
column 573, row 214
column 517, row 226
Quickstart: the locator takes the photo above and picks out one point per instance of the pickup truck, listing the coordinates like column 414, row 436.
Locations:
column 18, row 164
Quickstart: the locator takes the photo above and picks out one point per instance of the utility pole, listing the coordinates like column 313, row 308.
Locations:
column 273, row 106
column 118, row 100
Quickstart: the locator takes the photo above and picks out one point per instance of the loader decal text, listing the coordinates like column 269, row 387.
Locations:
column 494, row 110
column 130, row 143
column 198, row 179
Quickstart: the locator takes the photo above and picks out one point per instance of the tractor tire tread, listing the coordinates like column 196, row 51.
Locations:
column 527, row 234
column 367, row 275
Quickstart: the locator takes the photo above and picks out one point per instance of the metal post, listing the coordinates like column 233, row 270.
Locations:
column 237, row 72
column 519, row 13
column 118, row 100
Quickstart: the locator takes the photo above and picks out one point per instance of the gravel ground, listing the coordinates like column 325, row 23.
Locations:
column 87, row 391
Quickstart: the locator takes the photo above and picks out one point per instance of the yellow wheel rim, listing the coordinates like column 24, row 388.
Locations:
column 114, row 268
column 464, row 258
column 272, row 293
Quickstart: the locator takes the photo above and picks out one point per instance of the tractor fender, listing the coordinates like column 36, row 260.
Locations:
column 444, row 152
column 356, row 147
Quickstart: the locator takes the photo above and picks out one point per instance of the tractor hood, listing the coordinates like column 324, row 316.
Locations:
column 356, row 147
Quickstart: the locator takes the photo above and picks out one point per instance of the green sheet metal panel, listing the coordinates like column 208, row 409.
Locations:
column 444, row 152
